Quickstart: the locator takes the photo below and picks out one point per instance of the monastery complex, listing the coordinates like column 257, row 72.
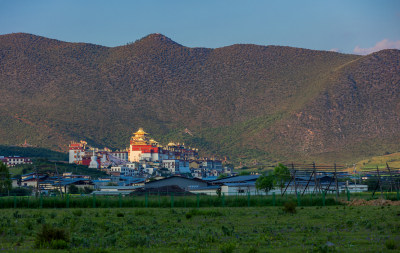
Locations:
column 145, row 157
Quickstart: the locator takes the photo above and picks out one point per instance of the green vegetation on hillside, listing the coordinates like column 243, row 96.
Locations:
column 33, row 153
column 393, row 160
column 247, row 102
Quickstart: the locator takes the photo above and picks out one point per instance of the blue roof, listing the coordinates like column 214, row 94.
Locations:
column 241, row 184
column 210, row 178
column 212, row 187
column 101, row 181
column 32, row 177
column 132, row 178
column 237, row 179
column 71, row 181
column 120, row 187
column 306, row 178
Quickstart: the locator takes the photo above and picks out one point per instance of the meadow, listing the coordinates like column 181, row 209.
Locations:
column 336, row 228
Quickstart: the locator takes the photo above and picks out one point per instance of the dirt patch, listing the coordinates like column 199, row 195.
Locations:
column 374, row 202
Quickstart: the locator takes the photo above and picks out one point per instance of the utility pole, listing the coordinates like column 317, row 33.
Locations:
column 337, row 184
column 37, row 180
column 391, row 179
column 294, row 177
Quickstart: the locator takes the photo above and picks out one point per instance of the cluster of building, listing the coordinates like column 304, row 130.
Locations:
column 146, row 158
column 147, row 166
column 45, row 183
column 233, row 185
column 11, row 161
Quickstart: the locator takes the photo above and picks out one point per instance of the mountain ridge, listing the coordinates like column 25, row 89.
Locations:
column 235, row 98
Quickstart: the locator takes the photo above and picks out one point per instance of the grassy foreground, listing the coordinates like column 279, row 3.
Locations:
column 254, row 229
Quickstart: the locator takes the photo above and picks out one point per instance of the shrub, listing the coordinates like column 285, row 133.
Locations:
column 58, row 244
column 55, row 238
column 252, row 250
column 120, row 215
column 17, row 215
column 137, row 240
column 19, row 191
column 77, row 212
column 28, row 224
column 227, row 248
column 73, row 189
column 226, row 231
column 289, row 207
column 40, row 220
column 390, row 244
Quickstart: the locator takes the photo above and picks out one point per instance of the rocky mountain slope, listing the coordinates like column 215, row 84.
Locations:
column 248, row 102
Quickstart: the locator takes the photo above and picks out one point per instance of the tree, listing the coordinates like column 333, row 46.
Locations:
column 223, row 175
column 73, row 189
column 5, row 181
column 265, row 183
column 219, row 192
column 281, row 175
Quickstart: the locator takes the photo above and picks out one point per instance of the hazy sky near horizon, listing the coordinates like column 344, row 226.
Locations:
column 356, row 26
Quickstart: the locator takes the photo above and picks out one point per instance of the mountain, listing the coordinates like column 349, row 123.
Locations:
column 247, row 102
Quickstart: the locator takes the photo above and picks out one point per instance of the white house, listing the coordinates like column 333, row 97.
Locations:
column 176, row 166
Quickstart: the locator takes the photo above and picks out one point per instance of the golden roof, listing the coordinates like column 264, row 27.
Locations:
column 140, row 132
column 141, row 138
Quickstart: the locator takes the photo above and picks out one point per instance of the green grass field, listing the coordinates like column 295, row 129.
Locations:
column 177, row 200
column 254, row 229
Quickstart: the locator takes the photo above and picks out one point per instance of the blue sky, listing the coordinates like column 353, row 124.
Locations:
column 352, row 26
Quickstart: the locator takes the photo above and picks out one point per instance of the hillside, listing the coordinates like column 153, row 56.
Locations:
column 393, row 160
column 32, row 152
column 247, row 102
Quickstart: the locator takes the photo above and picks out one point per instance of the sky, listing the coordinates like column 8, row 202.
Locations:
column 347, row 26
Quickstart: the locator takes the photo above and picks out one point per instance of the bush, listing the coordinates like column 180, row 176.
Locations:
column 120, row 215
column 77, row 212
column 290, row 207
column 253, row 250
column 137, row 240
column 19, row 191
column 227, row 248
column 58, row 244
column 72, row 189
column 55, row 238
column 391, row 244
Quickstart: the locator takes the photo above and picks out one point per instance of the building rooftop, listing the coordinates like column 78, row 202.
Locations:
column 211, row 187
column 120, row 187
column 236, row 179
